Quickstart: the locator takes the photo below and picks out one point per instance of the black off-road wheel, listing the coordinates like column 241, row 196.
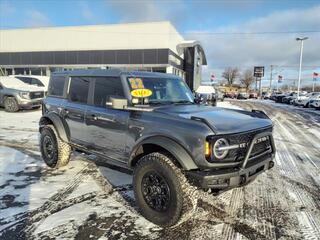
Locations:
column 55, row 152
column 161, row 190
column 11, row 104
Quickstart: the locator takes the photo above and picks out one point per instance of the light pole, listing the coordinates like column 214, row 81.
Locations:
column 300, row 65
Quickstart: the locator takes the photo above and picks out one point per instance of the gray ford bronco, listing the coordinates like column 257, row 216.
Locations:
column 151, row 124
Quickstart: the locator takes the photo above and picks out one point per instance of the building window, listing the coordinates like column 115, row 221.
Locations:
column 79, row 89
column 106, row 87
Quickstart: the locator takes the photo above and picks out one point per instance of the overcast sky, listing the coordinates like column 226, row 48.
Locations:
column 233, row 32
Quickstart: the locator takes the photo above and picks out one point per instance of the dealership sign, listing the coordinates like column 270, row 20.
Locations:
column 258, row 72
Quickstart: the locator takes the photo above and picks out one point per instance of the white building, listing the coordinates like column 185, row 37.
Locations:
column 154, row 46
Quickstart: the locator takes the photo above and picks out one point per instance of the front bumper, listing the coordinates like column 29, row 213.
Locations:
column 27, row 104
column 315, row 104
column 249, row 168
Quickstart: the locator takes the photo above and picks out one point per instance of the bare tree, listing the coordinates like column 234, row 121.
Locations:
column 247, row 79
column 230, row 75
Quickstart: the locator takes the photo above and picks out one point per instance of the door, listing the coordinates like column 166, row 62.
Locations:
column 75, row 108
column 1, row 95
column 107, row 127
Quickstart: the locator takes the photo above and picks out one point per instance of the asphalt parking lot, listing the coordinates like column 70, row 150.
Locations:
column 88, row 200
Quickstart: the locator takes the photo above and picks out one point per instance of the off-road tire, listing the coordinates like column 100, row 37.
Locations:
column 306, row 106
column 184, row 196
column 62, row 150
column 11, row 104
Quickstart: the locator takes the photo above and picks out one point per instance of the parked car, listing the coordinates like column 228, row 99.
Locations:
column 279, row 97
column 289, row 98
column 305, row 99
column 149, row 123
column 220, row 95
column 15, row 94
column 242, row 96
column 230, row 95
column 274, row 95
column 206, row 94
column 315, row 103
column 253, row 95
column 40, row 81
column 266, row 95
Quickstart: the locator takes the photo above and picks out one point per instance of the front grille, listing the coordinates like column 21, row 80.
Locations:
column 34, row 95
column 239, row 154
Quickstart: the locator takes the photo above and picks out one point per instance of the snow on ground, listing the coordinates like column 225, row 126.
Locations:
column 88, row 201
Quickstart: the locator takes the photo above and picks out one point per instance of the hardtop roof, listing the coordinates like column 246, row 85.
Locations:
column 112, row 73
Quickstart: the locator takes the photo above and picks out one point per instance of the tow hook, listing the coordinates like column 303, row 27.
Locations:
column 242, row 179
column 271, row 164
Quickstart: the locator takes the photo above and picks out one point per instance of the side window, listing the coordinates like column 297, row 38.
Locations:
column 36, row 82
column 56, row 86
column 105, row 88
column 79, row 89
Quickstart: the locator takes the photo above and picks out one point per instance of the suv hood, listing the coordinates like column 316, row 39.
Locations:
column 221, row 120
column 28, row 88
column 16, row 84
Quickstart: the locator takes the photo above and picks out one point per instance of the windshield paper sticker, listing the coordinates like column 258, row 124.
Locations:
column 136, row 83
column 141, row 93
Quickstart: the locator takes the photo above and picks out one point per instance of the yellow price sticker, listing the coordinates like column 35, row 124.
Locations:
column 141, row 93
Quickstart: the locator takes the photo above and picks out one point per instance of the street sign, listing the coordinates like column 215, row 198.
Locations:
column 315, row 76
column 280, row 78
column 258, row 71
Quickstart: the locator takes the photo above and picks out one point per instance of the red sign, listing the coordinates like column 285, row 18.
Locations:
column 212, row 77
column 315, row 76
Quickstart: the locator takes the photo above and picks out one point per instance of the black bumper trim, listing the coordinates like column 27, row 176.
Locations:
column 222, row 179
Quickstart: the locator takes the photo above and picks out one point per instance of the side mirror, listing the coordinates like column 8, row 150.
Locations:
column 198, row 98
column 118, row 103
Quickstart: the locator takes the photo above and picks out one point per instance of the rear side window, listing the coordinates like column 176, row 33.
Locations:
column 105, row 88
column 79, row 89
column 56, row 86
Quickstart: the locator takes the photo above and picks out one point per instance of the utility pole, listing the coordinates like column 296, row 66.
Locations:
column 260, row 88
column 270, row 88
column 300, row 65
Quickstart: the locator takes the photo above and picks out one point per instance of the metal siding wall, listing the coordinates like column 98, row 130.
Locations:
column 136, row 56
column 140, row 56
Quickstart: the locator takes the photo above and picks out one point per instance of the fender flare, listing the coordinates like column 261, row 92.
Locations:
column 177, row 150
column 58, row 124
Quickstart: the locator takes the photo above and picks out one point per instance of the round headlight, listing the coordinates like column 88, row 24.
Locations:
column 218, row 150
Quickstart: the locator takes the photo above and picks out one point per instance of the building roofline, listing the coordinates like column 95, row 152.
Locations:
column 87, row 26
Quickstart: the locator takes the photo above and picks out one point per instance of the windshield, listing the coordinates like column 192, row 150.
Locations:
column 31, row 81
column 164, row 90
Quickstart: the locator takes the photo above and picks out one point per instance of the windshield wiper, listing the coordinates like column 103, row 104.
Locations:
column 183, row 102
column 160, row 102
